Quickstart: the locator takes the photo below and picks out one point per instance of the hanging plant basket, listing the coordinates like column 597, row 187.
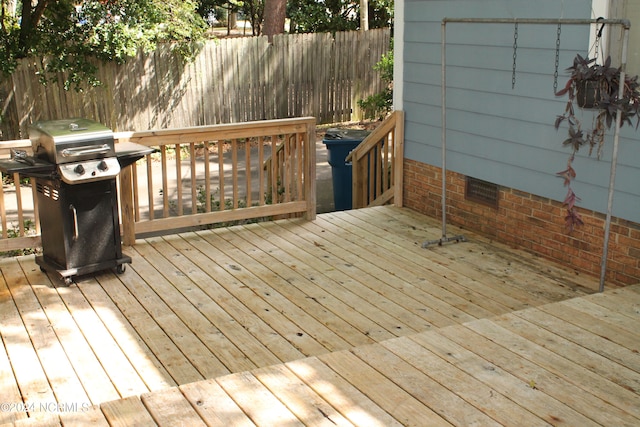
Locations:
column 599, row 87
column 589, row 93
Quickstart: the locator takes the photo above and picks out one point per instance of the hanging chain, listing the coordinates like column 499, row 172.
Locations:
column 557, row 64
column 515, row 55
column 598, row 39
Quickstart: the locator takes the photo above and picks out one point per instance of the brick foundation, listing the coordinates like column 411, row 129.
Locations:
column 533, row 223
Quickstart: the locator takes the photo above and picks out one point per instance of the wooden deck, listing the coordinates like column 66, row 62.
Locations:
column 345, row 320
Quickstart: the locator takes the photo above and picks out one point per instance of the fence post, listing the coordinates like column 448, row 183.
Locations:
column 9, row 120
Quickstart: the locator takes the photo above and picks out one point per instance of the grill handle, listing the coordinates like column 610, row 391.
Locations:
column 81, row 151
column 75, row 221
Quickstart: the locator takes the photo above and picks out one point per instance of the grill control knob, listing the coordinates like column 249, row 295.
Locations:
column 103, row 166
column 79, row 169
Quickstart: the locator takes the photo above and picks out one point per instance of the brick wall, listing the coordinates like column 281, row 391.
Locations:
column 530, row 222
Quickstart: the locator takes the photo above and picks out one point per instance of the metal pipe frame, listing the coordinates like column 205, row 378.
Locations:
column 626, row 25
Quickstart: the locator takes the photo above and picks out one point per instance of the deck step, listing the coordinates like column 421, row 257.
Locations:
column 484, row 372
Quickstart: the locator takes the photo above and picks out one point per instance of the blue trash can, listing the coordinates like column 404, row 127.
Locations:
column 339, row 143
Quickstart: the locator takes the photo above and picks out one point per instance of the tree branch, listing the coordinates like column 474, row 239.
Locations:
column 31, row 16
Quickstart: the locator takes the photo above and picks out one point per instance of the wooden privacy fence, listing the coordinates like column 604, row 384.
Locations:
column 199, row 176
column 230, row 81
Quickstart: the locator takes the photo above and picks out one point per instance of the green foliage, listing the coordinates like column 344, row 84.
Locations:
column 69, row 36
column 253, row 11
column 201, row 203
column 7, row 179
column 311, row 16
column 378, row 105
column 603, row 84
column 13, row 232
column 380, row 13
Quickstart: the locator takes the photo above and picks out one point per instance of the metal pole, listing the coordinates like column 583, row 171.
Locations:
column 444, row 128
column 626, row 24
column 614, row 162
column 443, row 103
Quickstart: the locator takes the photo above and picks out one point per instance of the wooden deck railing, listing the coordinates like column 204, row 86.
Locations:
column 18, row 205
column 377, row 165
column 213, row 174
column 200, row 176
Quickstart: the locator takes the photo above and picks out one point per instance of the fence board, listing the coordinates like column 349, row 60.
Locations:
column 231, row 80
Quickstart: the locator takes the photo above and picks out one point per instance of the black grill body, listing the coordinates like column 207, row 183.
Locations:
column 80, row 227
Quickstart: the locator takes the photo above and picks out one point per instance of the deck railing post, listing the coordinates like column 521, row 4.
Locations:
column 398, row 158
column 127, row 207
column 310, row 173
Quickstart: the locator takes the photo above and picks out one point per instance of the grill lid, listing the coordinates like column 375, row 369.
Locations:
column 71, row 140
column 75, row 151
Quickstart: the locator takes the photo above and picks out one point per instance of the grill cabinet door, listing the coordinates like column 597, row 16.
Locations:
column 79, row 222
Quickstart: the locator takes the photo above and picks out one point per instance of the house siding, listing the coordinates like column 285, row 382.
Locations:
column 506, row 136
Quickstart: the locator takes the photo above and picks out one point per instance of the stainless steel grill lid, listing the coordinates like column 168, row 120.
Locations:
column 83, row 149
column 71, row 140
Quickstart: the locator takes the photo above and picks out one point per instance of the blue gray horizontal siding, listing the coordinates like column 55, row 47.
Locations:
column 494, row 132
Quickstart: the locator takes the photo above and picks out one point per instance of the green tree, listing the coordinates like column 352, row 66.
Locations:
column 309, row 16
column 378, row 105
column 65, row 35
column 253, row 10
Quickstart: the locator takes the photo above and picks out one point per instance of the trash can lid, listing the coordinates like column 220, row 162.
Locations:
column 345, row 135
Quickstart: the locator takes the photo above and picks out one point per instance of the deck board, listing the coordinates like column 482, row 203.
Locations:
column 462, row 384
column 563, row 348
column 326, row 289
column 127, row 412
column 617, row 301
column 151, row 371
column 345, row 268
column 214, row 405
column 514, row 355
column 392, row 280
column 239, row 300
column 568, row 377
column 502, row 380
column 344, row 320
column 18, row 326
column 422, row 387
column 138, row 325
column 592, row 342
column 303, row 402
column 382, row 390
column 477, row 287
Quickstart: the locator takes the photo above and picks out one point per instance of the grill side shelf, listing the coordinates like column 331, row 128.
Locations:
column 130, row 152
column 38, row 168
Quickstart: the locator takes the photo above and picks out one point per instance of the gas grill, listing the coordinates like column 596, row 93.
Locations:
column 75, row 163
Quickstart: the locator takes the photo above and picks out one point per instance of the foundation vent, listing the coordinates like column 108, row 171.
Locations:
column 481, row 191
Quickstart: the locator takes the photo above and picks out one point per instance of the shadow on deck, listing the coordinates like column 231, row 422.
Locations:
column 342, row 320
